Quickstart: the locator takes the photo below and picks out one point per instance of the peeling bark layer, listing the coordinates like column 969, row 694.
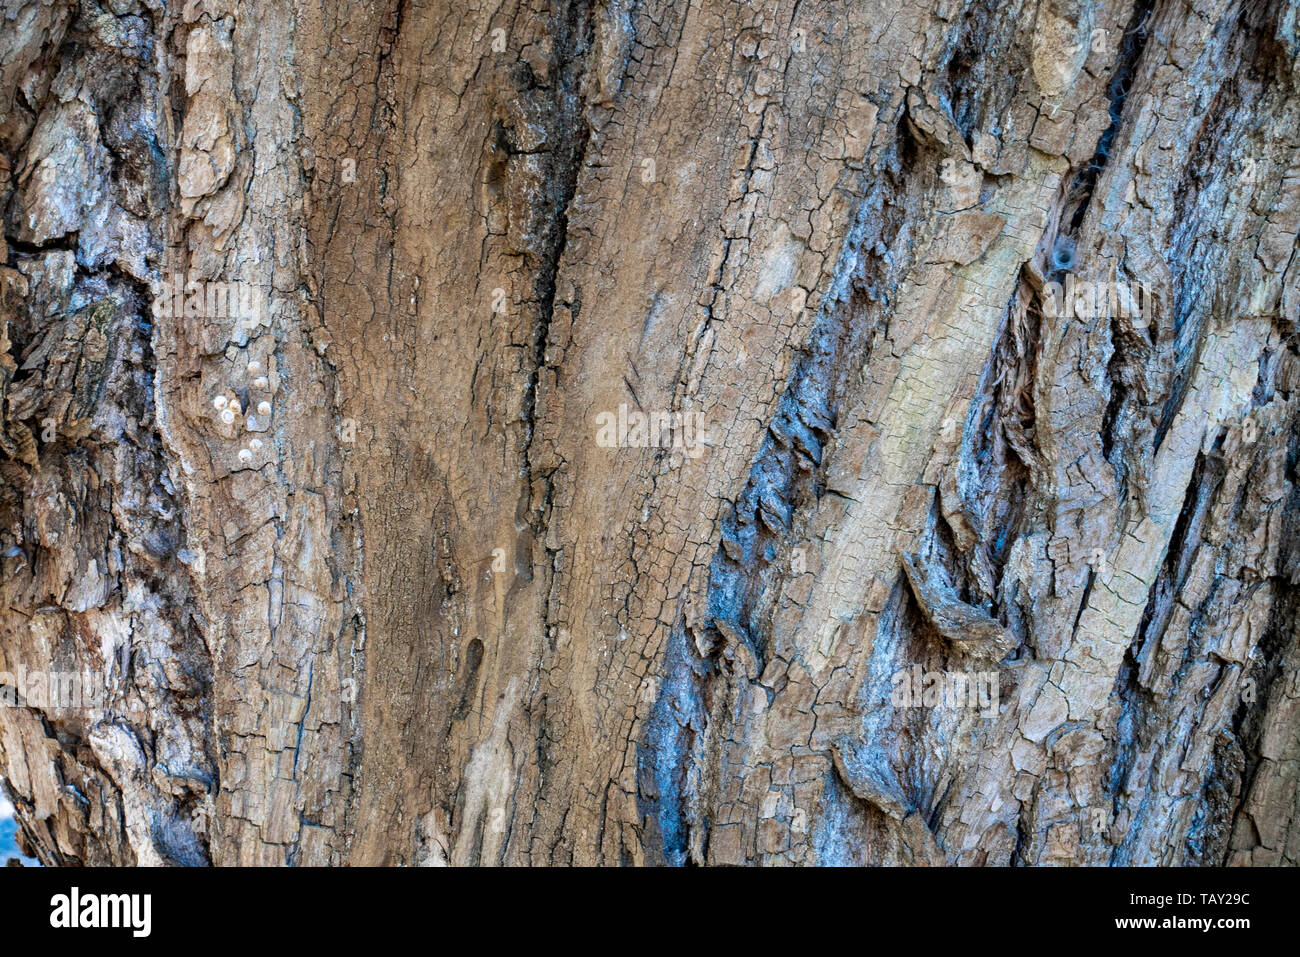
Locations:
column 966, row 338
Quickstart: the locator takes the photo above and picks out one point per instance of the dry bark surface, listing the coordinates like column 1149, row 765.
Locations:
column 553, row 432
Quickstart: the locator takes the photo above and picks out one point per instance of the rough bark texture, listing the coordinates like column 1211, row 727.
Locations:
column 427, row 617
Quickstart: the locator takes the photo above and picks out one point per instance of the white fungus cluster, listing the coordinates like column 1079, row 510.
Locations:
column 228, row 408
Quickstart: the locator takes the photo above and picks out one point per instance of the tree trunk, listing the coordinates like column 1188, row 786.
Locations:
column 635, row 432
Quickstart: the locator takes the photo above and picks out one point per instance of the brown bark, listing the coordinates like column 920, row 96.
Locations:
column 357, row 578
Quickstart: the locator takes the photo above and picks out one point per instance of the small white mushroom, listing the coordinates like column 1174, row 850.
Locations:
column 255, row 444
column 227, row 416
column 219, row 402
column 254, row 367
column 263, row 408
column 245, row 455
column 261, row 382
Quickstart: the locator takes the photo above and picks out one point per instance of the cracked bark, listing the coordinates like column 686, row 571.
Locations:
column 430, row 619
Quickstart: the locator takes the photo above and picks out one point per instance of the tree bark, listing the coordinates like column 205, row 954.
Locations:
column 966, row 338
